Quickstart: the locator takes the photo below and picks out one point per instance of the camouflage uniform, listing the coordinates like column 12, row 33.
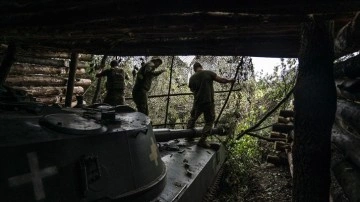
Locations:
column 201, row 84
column 142, row 86
column 115, row 86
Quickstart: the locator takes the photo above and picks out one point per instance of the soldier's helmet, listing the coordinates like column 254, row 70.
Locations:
column 114, row 63
column 156, row 60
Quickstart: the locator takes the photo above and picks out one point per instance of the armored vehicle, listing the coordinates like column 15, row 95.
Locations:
column 97, row 153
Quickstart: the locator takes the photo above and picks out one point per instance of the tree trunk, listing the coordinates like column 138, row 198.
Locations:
column 348, row 116
column 50, row 62
column 71, row 79
column 348, row 68
column 35, row 81
column 315, row 106
column 348, row 176
column 348, row 38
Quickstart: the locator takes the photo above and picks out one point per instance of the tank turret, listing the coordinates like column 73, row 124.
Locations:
column 78, row 155
column 98, row 153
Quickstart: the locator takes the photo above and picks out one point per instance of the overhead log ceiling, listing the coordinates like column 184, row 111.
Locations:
column 165, row 27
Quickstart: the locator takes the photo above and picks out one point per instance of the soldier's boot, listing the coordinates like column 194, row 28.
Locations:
column 202, row 142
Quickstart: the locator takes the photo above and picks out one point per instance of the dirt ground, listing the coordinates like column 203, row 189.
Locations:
column 266, row 183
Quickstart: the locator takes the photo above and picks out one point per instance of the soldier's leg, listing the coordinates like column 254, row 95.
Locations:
column 194, row 115
column 140, row 100
column 121, row 97
column 209, row 116
column 109, row 99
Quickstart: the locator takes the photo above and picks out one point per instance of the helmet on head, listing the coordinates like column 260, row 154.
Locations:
column 114, row 63
column 156, row 59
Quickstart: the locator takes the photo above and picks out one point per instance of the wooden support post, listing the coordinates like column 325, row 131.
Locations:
column 7, row 62
column 71, row 79
column 315, row 106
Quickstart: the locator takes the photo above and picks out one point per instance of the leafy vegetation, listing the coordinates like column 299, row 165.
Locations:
column 253, row 96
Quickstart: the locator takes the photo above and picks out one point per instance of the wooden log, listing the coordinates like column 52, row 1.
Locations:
column 7, row 62
column 83, row 82
column 281, row 146
column 27, row 69
column 277, row 135
column 276, row 160
column 82, row 64
column 282, row 128
column 71, row 79
column 48, row 100
column 35, row 81
column 348, row 116
column 349, row 68
column 348, row 38
column 348, row 143
column 45, row 54
column 46, row 91
column 348, row 176
column 286, row 113
column 284, row 120
column 51, row 62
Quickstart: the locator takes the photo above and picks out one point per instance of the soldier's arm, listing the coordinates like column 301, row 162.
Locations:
column 157, row 73
column 223, row 80
column 101, row 74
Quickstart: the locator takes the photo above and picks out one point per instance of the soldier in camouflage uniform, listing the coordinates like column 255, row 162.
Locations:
column 115, row 84
column 201, row 84
column 143, row 82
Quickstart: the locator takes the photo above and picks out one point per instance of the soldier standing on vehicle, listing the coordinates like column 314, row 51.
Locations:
column 115, row 84
column 201, row 84
column 143, row 82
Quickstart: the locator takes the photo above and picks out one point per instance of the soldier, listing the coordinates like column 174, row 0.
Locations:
column 201, row 84
column 115, row 84
column 143, row 82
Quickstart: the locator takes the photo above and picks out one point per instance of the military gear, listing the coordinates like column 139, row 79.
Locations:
column 209, row 115
column 140, row 98
column 115, row 85
column 201, row 84
column 142, row 85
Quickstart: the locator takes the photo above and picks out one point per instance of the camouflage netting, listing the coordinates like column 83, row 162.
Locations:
column 171, row 107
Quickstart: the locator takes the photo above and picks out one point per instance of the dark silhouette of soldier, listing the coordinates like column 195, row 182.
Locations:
column 143, row 82
column 201, row 84
column 115, row 84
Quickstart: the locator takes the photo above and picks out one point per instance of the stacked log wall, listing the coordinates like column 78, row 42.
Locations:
column 43, row 75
